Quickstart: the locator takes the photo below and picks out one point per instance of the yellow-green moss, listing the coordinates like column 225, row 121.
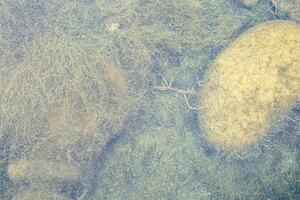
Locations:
column 163, row 160
column 115, row 79
column 248, row 3
column 42, row 170
column 171, row 38
column 63, row 104
column 153, row 165
column 150, row 40
column 289, row 7
column 66, row 80
column 251, row 84
column 39, row 195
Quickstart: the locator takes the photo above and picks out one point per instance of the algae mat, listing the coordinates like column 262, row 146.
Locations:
column 80, row 118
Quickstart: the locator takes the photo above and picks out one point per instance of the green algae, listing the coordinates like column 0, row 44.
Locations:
column 160, row 152
column 62, row 105
column 38, row 195
column 288, row 8
column 176, row 33
column 170, row 162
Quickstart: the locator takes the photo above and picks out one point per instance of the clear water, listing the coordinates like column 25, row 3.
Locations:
column 86, row 112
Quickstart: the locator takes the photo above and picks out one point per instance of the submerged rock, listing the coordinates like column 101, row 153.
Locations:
column 167, row 160
column 61, row 107
column 251, row 85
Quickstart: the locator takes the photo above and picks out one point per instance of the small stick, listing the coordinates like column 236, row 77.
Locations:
column 188, row 104
column 274, row 4
column 167, row 86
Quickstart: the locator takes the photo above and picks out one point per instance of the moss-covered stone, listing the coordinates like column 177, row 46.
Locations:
column 166, row 159
column 70, row 77
column 251, row 85
column 64, row 113
column 152, row 165
column 63, row 104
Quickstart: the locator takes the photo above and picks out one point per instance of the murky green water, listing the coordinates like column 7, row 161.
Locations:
column 98, row 100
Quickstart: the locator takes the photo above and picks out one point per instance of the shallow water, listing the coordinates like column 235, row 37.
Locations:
column 92, row 103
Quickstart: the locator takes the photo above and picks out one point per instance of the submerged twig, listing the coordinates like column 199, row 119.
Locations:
column 167, row 86
column 274, row 5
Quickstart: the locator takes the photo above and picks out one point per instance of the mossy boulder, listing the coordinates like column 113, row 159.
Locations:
column 156, row 164
column 63, row 104
column 172, row 163
column 251, row 85
column 65, row 89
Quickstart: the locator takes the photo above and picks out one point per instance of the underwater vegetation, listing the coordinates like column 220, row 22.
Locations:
column 38, row 195
column 60, row 108
column 41, row 170
column 251, row 84
column 80, row 118
column 290, row 8
column 149, row 38
column 169, row 161
column 172, row 38
column 247, row 3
